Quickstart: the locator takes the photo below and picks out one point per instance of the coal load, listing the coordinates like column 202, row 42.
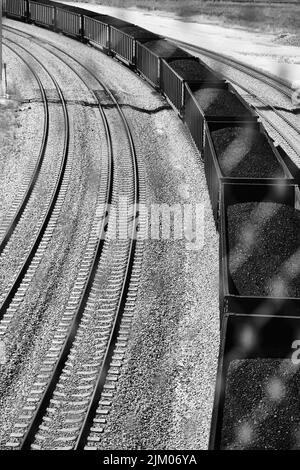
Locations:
column 264, row 255
column 261, row 410
column 245, row 152
column 139, row 33
column 192, row 70
column 165, row 49
column 110, row 20
column 220, row 102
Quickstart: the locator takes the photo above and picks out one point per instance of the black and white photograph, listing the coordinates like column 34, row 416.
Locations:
column 149, row 228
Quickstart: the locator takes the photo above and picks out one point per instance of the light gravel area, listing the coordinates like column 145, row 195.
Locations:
column 166, row 389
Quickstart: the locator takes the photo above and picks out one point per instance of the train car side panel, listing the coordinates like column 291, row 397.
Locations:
column 96, row 31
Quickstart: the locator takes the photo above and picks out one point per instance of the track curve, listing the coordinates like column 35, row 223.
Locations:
column 35, row 424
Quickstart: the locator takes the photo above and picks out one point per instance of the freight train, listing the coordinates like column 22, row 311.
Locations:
column 256, row 324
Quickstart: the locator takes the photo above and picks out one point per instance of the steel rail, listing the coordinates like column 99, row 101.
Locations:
column 54, row 197
column 270, row 80
column 281, row 85
column 39, row 161
column 87, row 423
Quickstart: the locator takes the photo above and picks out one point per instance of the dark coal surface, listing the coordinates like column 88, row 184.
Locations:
column 192, row 70
column 165, row 49
column 111, row 21
column 262, row 237
column 262, row 405
column 139, row 33
column 220, row 102
column 245, row 153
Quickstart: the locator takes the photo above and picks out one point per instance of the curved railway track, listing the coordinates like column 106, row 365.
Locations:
column 108, row 328
column 275, row 123
column 68, row 405
column 278, row 83
column 29, row 180
column 261, row 106
column 70, row 413
column 33, row 257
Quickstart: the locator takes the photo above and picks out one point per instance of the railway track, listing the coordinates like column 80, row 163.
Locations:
column 42, row 234
column 61, row 407
column 75, row 410
column 12, row 218
column 68, row 405
column 275, row 120
column 278, row 83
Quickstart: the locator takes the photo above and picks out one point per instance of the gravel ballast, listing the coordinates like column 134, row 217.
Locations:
column 262, row 405
column 166, row 386
column 191, row 70
column 264, row 240
column 245, row 152
column 20, row 136
column 31, row 332
column 220, row 102
column 33, row 325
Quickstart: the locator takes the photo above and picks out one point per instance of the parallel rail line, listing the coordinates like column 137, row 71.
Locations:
column 83, row 432
column 27, row 440
column 20, row 276
column 281, row 85
column 274, row 82
column 7, row 229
